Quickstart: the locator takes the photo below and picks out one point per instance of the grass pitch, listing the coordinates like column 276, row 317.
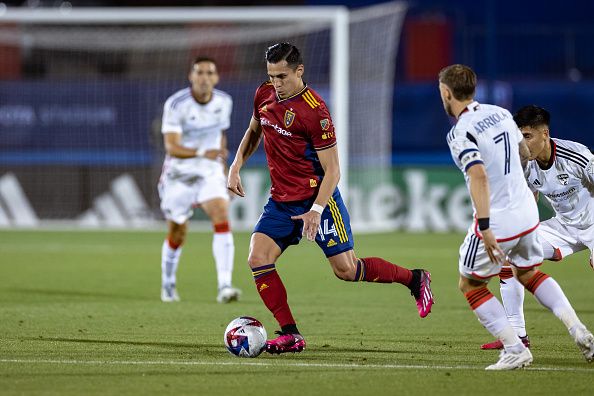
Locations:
column 80, row 314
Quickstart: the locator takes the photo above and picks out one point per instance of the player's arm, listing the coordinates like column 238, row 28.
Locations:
column 524, row 153
column 329, row 162
column 174, row 148
column 249, row 144
column 479, row 192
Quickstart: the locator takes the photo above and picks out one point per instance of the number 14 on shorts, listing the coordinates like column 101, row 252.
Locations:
column 323, row 230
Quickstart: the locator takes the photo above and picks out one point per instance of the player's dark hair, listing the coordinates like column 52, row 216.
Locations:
column 532, row 116
column 284, row 51
column 200, row 59
column 460, row 79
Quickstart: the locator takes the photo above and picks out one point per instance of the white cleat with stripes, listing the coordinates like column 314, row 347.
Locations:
column 512, row 361
column 585, row 341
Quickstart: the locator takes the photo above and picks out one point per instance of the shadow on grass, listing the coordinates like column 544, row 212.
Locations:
column 76, row 294
column 124, row 342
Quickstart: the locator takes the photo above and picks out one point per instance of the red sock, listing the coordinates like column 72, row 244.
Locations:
column 273, row 293
column 379, row 270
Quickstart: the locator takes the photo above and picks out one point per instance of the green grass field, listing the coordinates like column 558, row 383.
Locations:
column 80, row 315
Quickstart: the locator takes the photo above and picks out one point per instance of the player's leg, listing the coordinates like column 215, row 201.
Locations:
column 336, row 240
column 512, row 297
column 475, row 270
column 176, row 204
column 548, row 292
column 348, row 267
column 223, row 248
column 274, row 232
column 264, row 252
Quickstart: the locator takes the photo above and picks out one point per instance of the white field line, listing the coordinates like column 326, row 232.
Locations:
column 276, row 364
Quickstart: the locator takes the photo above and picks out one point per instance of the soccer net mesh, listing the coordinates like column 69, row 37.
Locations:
column 81, row 106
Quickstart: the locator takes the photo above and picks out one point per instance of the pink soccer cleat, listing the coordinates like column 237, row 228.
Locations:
column 497, row 344
column 285, row 343
column 423, row 295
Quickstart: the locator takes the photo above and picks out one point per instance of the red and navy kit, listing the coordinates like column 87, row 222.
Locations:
column 294, row 129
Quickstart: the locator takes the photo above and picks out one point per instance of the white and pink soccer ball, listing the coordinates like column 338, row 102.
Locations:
column 245, row 337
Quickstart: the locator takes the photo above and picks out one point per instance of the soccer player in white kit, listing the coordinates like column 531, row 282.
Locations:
column 194, row 123
column 563, row 172
column 486, row 144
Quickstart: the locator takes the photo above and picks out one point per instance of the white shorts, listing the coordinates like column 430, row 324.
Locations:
column 180, row 195
column 522, row 252
column 567, row 240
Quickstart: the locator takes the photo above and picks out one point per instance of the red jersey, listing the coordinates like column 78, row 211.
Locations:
column 294, row 130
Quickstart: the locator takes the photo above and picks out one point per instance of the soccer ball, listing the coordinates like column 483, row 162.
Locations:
column 245, row 337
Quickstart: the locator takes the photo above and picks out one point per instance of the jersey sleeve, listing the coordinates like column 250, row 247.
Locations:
column 320, row 128
column 464, row 149
column 171, row 118
column 226, row 116
column 588, row 170
column 258, row 102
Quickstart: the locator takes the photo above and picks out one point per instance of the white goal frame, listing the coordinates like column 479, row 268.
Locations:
column 337, row 16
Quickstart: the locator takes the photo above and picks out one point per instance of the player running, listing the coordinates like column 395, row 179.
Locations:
column 563, row 171
column 194, row 124
column 300, row 145
column 486, row 145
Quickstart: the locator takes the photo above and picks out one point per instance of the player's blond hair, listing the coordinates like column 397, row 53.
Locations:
column 460, row 79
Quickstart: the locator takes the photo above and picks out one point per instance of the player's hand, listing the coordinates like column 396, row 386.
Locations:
column 216, row 154
column 311, row 222
column 492, row 247
column 234, row 182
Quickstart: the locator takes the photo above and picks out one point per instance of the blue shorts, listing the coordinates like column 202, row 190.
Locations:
column 334, row 233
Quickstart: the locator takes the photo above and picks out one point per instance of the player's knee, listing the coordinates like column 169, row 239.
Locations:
column 524, row 276
column 256, row 259
column 344, row 274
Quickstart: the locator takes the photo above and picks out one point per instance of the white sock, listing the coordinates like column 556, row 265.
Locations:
column 512, row 296
column 550, row 295
column 169, row 262
column 491, row 314
column 223, row 250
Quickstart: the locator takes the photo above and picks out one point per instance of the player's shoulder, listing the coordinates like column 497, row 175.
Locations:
column 178, row 97
column 572, row 152
column 266, row 86
column 222, row 96
column 312, row 98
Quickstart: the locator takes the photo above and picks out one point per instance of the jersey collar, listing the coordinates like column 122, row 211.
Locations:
column 473, row 106
column 292, row 96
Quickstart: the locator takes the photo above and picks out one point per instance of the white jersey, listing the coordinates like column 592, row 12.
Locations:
column 567, row 183
column 487, row 134
column 201, row 127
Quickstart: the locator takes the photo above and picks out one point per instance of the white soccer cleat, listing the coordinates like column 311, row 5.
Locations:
column 585, row 341
column 228, row 294
column 169, row 294
column 512, row 361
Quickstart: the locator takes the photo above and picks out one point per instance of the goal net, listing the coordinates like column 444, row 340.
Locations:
column 81, row 97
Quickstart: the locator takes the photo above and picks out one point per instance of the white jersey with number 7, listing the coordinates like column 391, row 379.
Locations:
column 487, row 134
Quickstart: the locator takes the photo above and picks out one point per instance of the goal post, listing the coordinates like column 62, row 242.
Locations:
column 113, row 58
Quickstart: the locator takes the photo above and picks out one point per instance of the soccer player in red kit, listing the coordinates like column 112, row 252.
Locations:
column 300, row 145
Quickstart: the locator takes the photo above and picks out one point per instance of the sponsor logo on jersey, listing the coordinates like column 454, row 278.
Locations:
column 563, row 179
column 280, row 130
column 289, row 118
column 325, row 124
column 331, row 243
column 263, row 109
column 313, row 183
column 537, row 182
column 328, row 135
